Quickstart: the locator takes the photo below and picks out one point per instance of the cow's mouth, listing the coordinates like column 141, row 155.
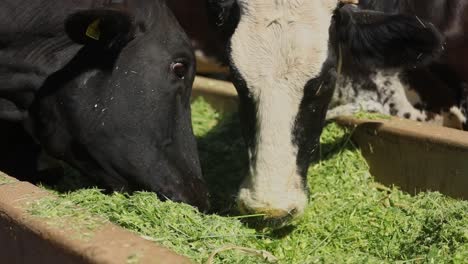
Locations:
column 267, row 220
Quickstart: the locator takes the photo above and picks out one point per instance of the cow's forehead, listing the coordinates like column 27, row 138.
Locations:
column 281, row 41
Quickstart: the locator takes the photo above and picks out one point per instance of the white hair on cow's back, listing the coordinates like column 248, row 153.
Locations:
column 278, row 46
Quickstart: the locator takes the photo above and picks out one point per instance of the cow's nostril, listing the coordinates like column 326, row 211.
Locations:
column 293, row 212
column 274, row 208
column 267, row 217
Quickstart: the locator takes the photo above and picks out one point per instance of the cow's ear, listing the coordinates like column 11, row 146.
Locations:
column 376, row 39
column 102, row 27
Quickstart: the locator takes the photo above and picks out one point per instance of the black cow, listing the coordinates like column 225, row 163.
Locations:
column 104, row 86
column 436, row 93
column 285, row 57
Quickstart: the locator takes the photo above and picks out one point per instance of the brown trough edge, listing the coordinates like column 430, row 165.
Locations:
column 210, row 66
column 29, row 239
column 220, row 94
column 411, row 155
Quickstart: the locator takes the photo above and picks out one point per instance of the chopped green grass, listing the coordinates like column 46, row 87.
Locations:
column 371, row 116
column 65, row 214
column 204, row 118
column 350, row 219
column 5, row 180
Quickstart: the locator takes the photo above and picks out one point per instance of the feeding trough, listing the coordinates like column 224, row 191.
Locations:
column 415, row 157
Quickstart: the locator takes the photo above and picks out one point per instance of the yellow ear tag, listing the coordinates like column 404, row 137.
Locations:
column 93, row 30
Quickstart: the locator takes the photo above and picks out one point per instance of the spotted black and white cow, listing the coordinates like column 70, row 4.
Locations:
column 436, row 93
column 285, row 58
column 103, row 85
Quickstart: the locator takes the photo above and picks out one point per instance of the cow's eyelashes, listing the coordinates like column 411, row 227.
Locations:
column 180, row 69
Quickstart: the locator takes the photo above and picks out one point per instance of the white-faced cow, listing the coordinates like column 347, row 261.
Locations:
column 435, row 93
column 105, row 86
column 285, row 57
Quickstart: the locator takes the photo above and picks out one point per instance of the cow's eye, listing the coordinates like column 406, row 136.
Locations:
column 179, row 69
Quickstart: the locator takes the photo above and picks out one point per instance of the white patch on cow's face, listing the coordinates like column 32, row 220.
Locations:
column 278, row 46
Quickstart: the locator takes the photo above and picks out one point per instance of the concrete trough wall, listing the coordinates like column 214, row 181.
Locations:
column 219, row 94
column 415, row 157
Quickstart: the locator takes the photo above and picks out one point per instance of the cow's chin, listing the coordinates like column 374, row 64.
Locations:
column 275, row 205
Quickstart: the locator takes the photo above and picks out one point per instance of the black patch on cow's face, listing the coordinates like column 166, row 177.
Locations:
column 224, row 13
column 123, row 115
column 224, row 16
column 311, row 118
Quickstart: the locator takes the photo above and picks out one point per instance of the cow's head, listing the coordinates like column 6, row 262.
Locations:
column 119, row 109
column 284, row 57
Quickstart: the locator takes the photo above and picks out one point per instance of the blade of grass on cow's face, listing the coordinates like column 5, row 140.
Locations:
column 350, row 219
